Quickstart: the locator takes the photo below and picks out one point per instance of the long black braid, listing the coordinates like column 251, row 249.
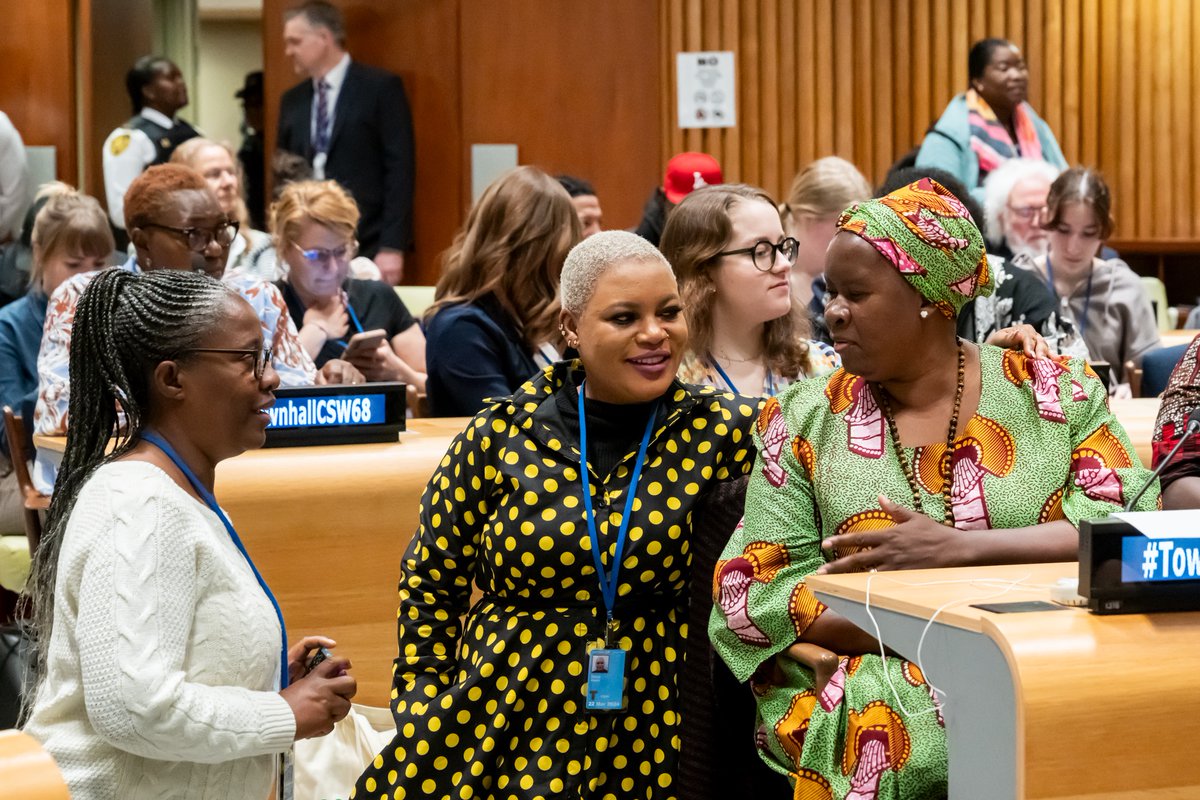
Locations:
column 125, row 325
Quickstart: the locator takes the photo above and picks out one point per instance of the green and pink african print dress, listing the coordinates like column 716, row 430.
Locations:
column 1042, row 446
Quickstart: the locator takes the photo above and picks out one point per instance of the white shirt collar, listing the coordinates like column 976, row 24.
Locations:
column 336, row 75
column 157, row 117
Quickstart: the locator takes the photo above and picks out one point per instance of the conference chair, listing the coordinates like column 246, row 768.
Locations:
column 416, row 298
column 1155, row 370
column 34, row 501
column 1156, row 290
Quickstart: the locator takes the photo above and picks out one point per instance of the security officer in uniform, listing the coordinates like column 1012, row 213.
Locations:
column 157, row 90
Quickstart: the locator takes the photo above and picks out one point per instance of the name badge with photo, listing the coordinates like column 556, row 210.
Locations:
column 606, row 680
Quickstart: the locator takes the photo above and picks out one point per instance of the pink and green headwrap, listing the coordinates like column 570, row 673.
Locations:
column 928, row 235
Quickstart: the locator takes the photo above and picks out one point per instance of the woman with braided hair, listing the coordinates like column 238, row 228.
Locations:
column 923, row 450
column 163, row 664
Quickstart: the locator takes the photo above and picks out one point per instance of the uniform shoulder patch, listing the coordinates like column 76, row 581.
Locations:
column 119, row 143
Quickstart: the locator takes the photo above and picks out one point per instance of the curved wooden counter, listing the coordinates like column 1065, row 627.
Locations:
column 327, row 527
column 27, row 771
column 1052, row 704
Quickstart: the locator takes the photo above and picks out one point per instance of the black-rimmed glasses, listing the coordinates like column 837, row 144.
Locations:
column 262, row 356
column 763, row 253
column 198, row 239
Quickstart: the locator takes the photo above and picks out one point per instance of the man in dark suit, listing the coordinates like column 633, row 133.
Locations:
column 352, row 123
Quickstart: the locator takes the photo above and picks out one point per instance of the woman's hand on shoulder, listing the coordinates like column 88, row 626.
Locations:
column 1023, row 338
column 321, row 698
column 914, row 542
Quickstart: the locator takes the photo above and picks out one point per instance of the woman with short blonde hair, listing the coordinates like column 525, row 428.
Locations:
column 313, row 226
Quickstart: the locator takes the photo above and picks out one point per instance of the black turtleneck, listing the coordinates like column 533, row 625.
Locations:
column 614, row 429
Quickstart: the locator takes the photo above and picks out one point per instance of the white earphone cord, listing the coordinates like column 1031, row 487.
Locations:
column 939, row 694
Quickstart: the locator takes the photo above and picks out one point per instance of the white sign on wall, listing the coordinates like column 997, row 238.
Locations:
column 705, row 87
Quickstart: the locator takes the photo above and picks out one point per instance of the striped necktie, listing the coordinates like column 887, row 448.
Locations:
column 321, row 140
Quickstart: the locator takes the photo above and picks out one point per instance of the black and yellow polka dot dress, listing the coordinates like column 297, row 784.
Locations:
column 492, row 706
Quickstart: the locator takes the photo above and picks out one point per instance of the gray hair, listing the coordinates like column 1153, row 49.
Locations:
column 592, row 257
column 320, row 14
column 998, row 185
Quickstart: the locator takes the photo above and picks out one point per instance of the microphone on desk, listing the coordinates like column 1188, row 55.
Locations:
column 1193, row 425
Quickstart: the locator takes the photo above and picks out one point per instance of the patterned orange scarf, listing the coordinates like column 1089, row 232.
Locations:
column 990, row 138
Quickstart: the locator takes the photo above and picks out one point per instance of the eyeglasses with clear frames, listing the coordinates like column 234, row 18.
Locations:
column 763, row 253
column 318, row 255
column 262, row 356
column 199, row 239
column 1028, row 212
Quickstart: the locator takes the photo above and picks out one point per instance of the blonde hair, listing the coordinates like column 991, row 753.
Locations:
column 512, row 248
column 323, row 202
column 70, row 222
column 592, row 257
column 697, row 230
column 188, row 154
column 824, row 188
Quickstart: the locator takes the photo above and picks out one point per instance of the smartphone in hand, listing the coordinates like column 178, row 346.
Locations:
column 317, row 657
column 364, row 343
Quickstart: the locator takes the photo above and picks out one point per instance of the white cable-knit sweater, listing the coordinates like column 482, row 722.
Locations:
column 164, row 659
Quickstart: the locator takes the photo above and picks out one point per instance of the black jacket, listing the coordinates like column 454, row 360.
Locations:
column 370, row 150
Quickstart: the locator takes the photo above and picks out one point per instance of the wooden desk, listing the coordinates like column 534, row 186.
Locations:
column 1053, row 704
column 27, row 771
column 327, row 526
column 1180, row 336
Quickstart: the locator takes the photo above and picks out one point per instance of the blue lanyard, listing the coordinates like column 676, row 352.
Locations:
column 1087, row 298
column 353, row 317
column 211, row 502
column 608, row 581
column 733, row 387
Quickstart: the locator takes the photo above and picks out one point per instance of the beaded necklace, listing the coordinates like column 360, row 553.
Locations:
column 944, row 468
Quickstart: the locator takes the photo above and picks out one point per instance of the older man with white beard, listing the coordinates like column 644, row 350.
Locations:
column 1014, row 199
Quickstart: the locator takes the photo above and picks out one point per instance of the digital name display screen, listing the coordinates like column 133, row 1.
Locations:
column 328, row 412
column 1146, row 560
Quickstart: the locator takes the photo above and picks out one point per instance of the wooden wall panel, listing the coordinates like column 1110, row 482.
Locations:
column 863, row 79
column 37, row 81
column 576, row 92
column 418, row 41
column 574, row 87
column 113, row 34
